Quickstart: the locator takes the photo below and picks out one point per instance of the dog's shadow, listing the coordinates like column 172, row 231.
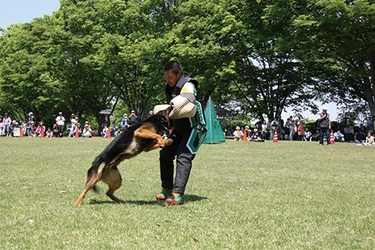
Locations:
column 188, row 198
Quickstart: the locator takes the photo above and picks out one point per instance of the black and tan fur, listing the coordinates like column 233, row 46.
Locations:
column 141, row 137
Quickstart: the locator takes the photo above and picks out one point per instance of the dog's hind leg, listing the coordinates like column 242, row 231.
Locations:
column 112, row 177
column 92, row 179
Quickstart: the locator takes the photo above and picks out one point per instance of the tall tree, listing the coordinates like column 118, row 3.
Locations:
column 340, row 35
column 25, row 82
column 269, row 76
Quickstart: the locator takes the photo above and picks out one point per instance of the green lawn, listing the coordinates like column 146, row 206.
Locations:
column 286, row 195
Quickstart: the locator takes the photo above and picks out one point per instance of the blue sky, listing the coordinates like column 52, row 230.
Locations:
column 24, row 11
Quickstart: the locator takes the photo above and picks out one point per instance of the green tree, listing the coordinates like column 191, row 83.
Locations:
column 339, row 35
column 25, row 82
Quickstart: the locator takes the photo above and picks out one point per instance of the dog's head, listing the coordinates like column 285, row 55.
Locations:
column 161, row 118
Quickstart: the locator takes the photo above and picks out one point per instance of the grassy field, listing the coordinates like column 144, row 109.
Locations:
column 286, row 195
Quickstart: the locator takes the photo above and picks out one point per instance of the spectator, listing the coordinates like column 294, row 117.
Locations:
column 258, row 124
column 118, row 132
column 362, row 128
column 307, row 135
column 370, row 124
column 369, row 140
column 106, row 121
column 6, row 124
column 1, row 129
column 77, row 130
column 325, row 126
column 280, row 128
column 49, row 133
column 292, row 127
column 55, row 130
column 31, row 117
column 274, row 127
column 31, row 129
column 264, row 130
column 359, row 137
column 73, row 126
column 104, row 132
column 287, row 128
column 300, row 127
column 248, row 133
column 38, row 131
column 338, row 136
column 13, row 125
column 238, row 134
column 132, row 118
column 124, row 122
column 255, row 136
column 87, row 133
column 349, row 131
column 316, row 135
column 60, row 121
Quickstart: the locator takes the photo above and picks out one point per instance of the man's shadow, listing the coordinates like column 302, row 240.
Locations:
column 187, row 198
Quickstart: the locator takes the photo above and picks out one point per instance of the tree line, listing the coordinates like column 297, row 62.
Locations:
column 261, row 55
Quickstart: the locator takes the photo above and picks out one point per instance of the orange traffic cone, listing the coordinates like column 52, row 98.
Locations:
column 42, row 132
column 77, row 132
column 332, row 138
column 109, row 133
column 275, row 137
column 244, row 137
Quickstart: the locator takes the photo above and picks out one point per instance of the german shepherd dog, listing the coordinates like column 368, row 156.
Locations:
column 141, row 137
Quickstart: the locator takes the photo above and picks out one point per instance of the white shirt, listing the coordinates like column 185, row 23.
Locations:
column 60, row 120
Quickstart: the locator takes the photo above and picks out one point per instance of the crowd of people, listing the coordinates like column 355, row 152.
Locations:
column 63, row 127
column 31, row 128
column 292, row 129
column 297, row 129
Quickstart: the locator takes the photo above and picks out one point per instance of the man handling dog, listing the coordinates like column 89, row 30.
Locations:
column 189, row 131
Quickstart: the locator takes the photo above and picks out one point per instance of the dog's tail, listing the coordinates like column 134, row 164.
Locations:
column 93, row 176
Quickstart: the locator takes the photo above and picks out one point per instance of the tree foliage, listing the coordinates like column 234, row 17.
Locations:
column 265, row 56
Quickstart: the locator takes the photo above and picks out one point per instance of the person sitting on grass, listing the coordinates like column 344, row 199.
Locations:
column 369, row 140
column 256, row 137
column 338, row 136
column 237, row 134
column 307, row 135
column 49, row 133
column 104, row 131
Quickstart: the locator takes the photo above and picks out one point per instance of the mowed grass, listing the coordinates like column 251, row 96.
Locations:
column 286, row 195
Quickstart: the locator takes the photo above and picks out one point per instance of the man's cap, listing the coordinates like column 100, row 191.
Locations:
column 324, row 108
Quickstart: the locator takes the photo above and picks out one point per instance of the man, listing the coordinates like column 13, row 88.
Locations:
column 125, row 122
column 338, row 136
column 132, row 118
column 188, row 134
column 324, row 126
column 307, row 135
column 60, row 121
